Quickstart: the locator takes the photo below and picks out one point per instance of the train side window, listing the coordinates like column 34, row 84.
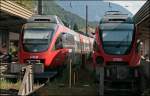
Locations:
column 68, row 40
column 58, row 43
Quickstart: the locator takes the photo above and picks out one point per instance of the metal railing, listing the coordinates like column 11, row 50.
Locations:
column 27, row 83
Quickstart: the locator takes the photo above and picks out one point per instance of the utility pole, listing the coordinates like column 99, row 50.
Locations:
column 110, row 7
column 86, row 19
column 40, row 7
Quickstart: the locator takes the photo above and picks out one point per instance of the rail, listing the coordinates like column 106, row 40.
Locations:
column 101, row 81
column 27, row 83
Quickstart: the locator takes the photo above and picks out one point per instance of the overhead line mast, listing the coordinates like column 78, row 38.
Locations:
column 86, row 19
column 40, row 7
column 110, row 7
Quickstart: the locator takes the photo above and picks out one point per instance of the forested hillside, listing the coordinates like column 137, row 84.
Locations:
column 67, row 17
column 29, row 4
column 52, row 8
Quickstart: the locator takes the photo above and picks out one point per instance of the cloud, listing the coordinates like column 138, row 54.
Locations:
column 132, row 6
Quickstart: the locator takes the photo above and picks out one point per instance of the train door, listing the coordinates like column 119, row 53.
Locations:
column 68, row 43
column 82, row 50
column 77, row 50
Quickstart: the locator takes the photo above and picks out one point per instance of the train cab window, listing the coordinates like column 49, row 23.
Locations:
column 58, row 44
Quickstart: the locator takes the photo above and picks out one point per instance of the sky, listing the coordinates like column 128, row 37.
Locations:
column 132, row 6
column 97, row 8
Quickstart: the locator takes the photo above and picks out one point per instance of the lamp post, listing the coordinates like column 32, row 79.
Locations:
column 86, row 19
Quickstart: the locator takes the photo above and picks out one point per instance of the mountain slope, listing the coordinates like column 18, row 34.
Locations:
column 51, row 8
column 96, row 8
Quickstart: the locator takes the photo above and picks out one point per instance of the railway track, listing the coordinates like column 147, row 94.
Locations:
column 126, row 88
column 82, row 85
column 43, row 86
column 39, row 87
column 14, row 92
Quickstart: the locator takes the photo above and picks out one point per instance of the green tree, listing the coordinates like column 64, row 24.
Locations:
column 65, row 23
column 29, row 4
column 75, row 27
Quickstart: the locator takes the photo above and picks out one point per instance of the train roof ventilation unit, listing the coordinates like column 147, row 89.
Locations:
column 115, row 16
column 112, row 12
column 46, row 18
column 42, row 20
column 117, row 19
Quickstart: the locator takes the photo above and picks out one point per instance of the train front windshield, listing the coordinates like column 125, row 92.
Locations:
column 37, row 36
column 117, row 39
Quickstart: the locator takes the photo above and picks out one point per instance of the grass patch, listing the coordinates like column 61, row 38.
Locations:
column 146, row 93
column 5, row 84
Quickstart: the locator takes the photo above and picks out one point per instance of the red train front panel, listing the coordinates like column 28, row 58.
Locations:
column 42, row 50
column 132, row 58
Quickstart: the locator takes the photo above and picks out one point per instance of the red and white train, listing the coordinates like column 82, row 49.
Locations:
column 44, row 39
column 117, row 49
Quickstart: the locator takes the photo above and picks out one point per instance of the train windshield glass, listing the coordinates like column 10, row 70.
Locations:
column 117, row 41
column 41, row 25
column 37, row 39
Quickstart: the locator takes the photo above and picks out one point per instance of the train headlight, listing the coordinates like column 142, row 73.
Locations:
column 99, row 60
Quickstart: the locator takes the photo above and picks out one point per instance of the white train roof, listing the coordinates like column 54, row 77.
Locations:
column 45, row 18
column 115, row 16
